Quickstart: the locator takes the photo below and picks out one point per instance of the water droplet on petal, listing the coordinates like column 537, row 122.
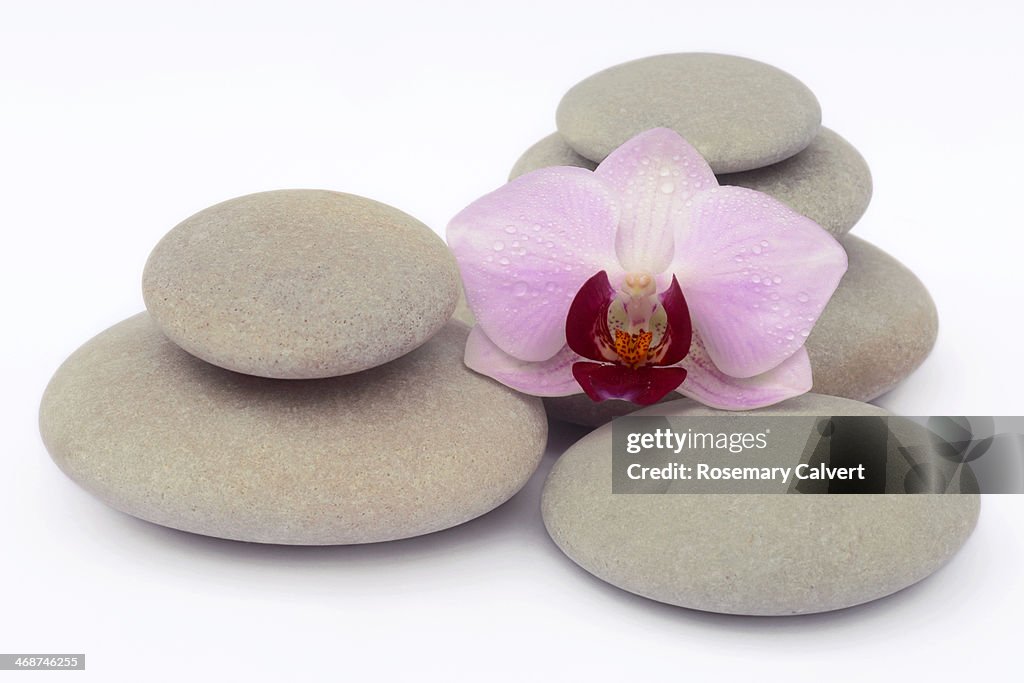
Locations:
column 520, row 288
column 802, row 297
column 499, row 245
column 668, row 187
column 510, row 229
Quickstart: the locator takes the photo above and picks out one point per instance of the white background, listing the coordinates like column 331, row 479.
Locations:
column 117, row 120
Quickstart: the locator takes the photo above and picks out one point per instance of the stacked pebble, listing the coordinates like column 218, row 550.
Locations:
column 758, row 127
column 296, row 380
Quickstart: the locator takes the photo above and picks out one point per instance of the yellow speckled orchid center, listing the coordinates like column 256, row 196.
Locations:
column 632, row 348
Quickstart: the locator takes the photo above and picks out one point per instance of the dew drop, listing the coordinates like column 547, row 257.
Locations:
column 510, row 229
column 756, row 249
column 665, row 171
column 499, row 245
column 777, row 280
column 668, row 187
column 520, row 288
column 802, row 297
column 789, row 336
column 755, row 279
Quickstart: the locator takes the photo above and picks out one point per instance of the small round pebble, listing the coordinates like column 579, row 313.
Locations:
column 751, row 554
column 739, row 113
column 879, row 326
column 300, row 284
column 552, row 150
column 829, row 182
column 411, row 447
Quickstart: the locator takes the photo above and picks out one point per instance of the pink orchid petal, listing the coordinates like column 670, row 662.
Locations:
column 678, row 332
column 709, row 385
column 653, row 174
column 525, row 249
column 586, row 324
column 644, row 385
column 756, row 275
column 551, row 377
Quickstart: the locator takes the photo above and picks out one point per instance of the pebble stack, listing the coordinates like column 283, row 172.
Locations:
column 754, row 554
column 295, row 380
column 760, row 128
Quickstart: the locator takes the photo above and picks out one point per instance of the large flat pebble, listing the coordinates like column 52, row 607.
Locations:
column 414, row 446
column 752, row 554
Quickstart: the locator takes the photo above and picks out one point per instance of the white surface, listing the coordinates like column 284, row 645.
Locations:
column 117, row 120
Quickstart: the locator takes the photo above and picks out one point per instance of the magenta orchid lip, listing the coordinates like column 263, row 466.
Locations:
column 753, row 277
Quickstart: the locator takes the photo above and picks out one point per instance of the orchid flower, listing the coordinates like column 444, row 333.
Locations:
column 642, row 277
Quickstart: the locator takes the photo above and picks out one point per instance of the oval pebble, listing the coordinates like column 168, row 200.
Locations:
column 753, row 554
column 739, row 113
column 552, row 150
column 411, row 447
column 878, row 328
column 300, row 284
column 829, row 181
